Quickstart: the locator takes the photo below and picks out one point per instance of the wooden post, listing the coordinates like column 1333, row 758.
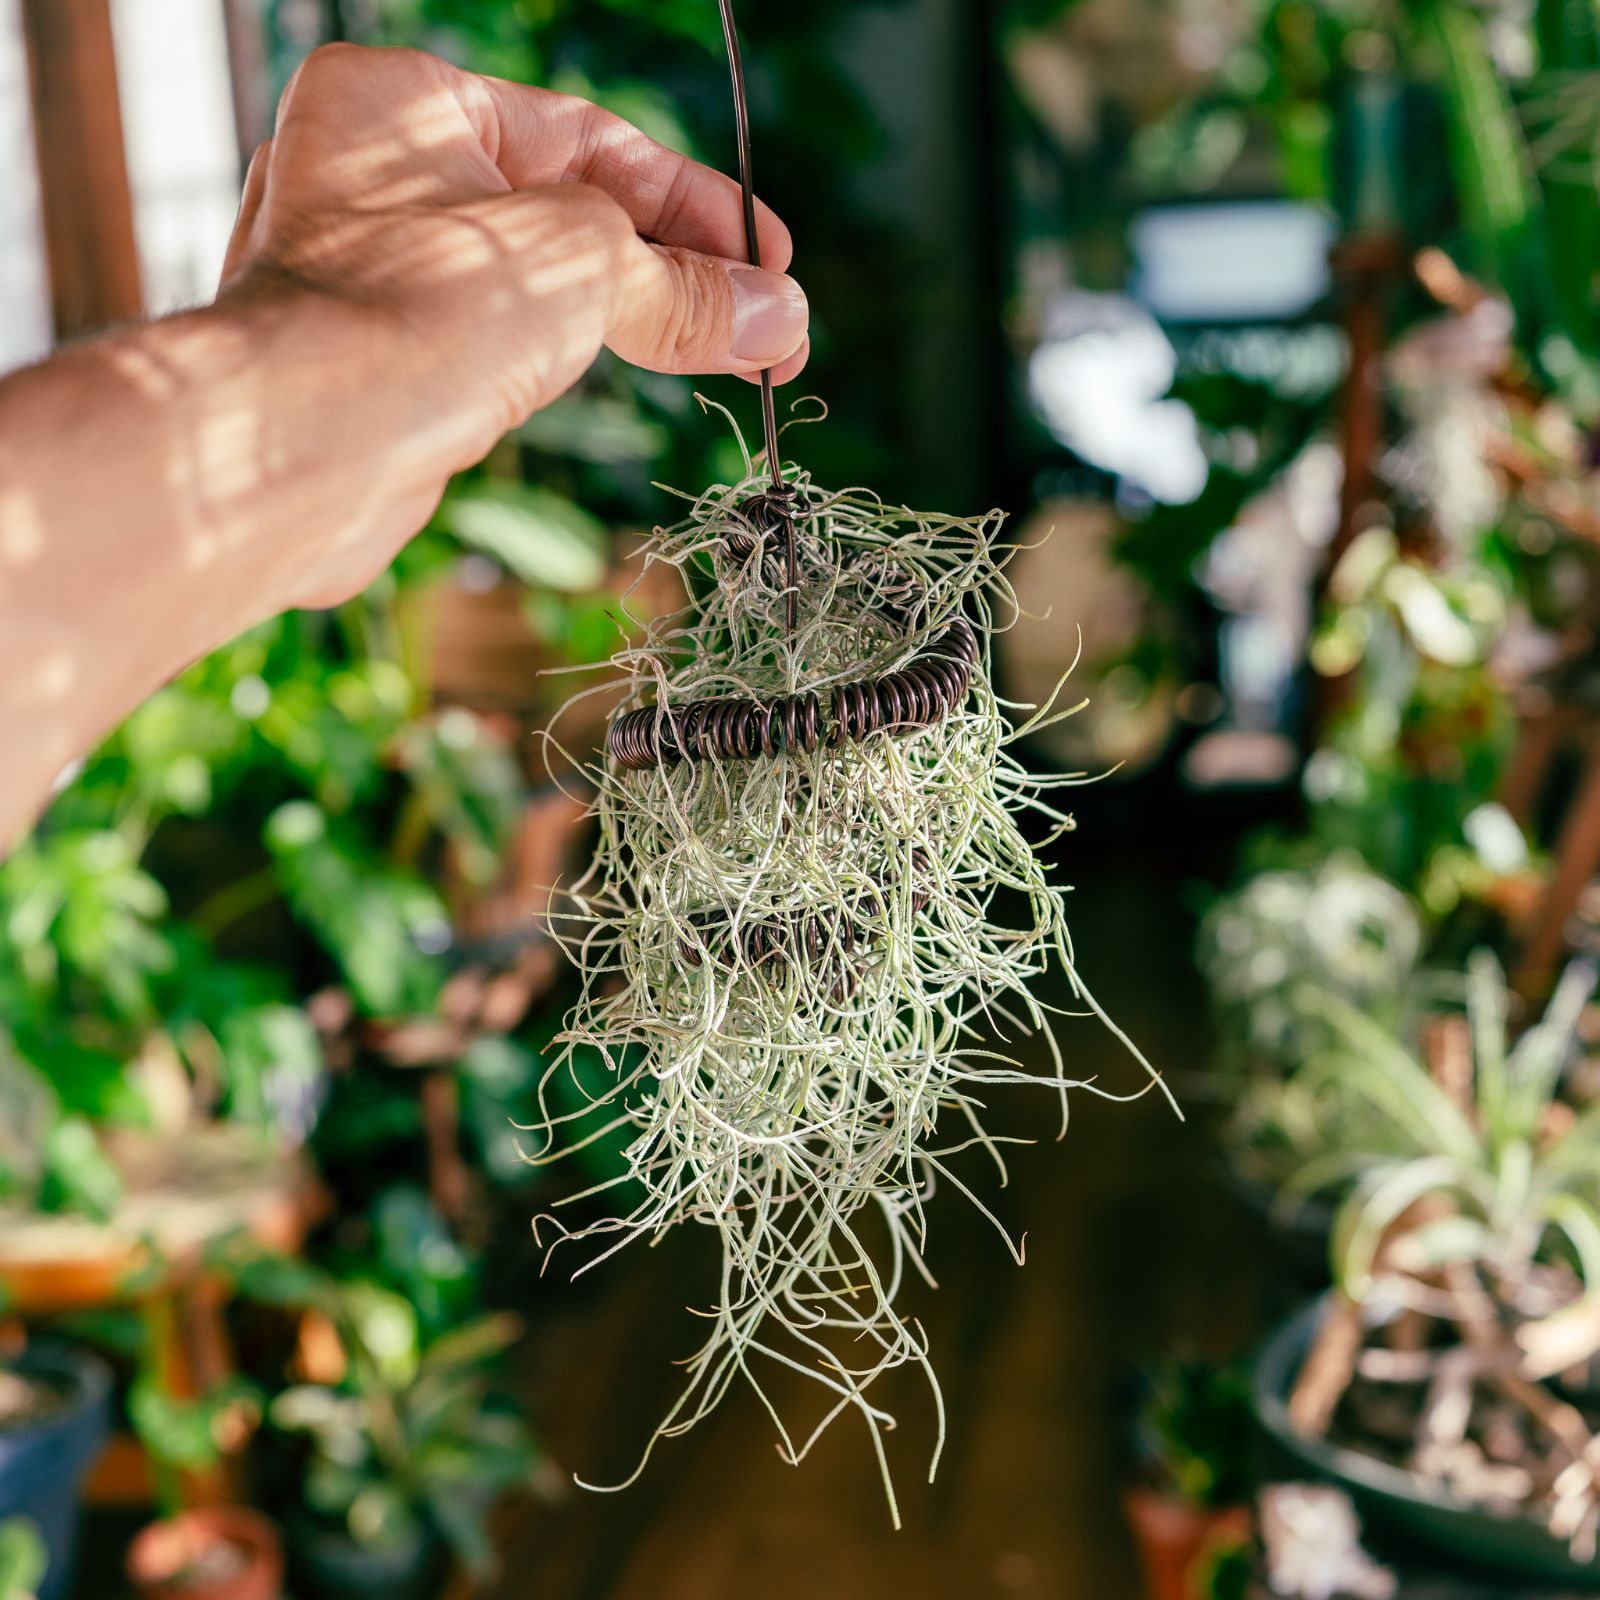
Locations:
column 1365, row 270
column 83, row 172
column 1577, row 856
column 1543, row 726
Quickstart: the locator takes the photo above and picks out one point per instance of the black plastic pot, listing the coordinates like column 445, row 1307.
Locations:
column 42, row 1464
column 1457, row 1533
column 327, row 1563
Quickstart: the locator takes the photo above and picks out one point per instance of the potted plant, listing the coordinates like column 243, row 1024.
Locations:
column 406, row 1455
column 402, row 1446
column 1336, row 925
column 54, row 1403
column 1189, row 1501
column 1447, row 1381
column 208, row 1553
column 205, row 1552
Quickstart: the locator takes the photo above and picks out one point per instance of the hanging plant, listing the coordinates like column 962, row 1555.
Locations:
column 799, row 963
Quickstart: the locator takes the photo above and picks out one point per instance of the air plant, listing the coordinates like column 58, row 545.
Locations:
column 1272, row 952
column 1338, row 925
column 811, row 925
column 1467, row 1249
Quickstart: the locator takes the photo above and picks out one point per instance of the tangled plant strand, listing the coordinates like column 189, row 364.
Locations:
column 795, row 963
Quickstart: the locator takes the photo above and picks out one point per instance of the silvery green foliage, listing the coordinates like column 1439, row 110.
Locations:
column 803, row 1096
column 1338, row 926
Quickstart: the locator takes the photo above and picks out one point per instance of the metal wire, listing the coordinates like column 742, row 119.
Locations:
column 920, row 695
column 780, row 491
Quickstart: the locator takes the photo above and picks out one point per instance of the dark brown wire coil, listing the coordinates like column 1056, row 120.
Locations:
column 920, row 695
column 770, row 511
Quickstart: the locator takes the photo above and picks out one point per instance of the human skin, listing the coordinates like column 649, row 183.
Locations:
column 422, row 259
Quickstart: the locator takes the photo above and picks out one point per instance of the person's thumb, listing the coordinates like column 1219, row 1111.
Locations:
column 685, row 312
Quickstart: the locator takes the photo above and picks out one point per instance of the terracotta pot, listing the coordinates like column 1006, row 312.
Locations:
column 209, row 1553
column 1172, row 1536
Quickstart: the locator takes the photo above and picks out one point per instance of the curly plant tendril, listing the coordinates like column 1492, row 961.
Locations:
column 797, row 966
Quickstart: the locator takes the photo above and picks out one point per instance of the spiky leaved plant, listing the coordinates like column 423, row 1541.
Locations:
column 802, row 967
column 1467, row 1248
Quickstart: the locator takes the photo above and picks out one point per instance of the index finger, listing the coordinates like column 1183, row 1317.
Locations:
column 554, row 138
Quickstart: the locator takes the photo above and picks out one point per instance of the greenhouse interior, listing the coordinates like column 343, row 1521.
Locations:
column 799, row 801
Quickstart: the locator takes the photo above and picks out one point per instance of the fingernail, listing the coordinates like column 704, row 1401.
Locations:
column 769, row 315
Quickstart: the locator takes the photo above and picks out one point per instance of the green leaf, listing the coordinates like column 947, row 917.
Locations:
column 23, row 1559
column 604, row 429
column 1579, row 1222
column 272, row 1061
column 181, row 1432
column 417, row 1256
column 1375, row 1206
column 1394, row 1083
column 1488, row 152
column 1487, row 1006
column 380, row 1516
column 537, row 535
column 332, row 1489
column 472, row 1344
column 78, row 1175
column 270, row 1279
column 1432, row 1245
column 384, row 1327
column 460, row 1517
column 371, row 919
column 1535, row 1065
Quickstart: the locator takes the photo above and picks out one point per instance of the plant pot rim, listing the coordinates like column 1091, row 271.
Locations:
column 149, row 1564
column 1272, row 1373
column 56, row 1359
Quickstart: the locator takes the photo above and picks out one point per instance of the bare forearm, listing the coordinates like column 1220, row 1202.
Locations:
column 157, row 490
column 422, row 258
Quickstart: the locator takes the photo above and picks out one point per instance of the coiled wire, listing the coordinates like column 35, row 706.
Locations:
column 919, row 695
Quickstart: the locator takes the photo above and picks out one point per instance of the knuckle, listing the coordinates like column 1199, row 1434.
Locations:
column 589, row 131
column 327, row 64
column 337, row 63
column 668, row 336
column 329, row 60
column 680, row 190
column 696, row 317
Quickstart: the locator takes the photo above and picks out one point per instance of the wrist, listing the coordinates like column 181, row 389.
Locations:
column 334, row 402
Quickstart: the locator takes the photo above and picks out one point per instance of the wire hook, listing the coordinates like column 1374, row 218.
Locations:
column 780, row 491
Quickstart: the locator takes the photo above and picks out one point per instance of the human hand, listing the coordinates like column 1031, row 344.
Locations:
column 476, row 243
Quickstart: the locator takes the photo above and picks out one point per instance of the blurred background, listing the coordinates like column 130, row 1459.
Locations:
column 1279, row 318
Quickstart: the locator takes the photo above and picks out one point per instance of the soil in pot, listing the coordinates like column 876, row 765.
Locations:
column 1365, row 1454
column 210, row 1553
column 26, row 1400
